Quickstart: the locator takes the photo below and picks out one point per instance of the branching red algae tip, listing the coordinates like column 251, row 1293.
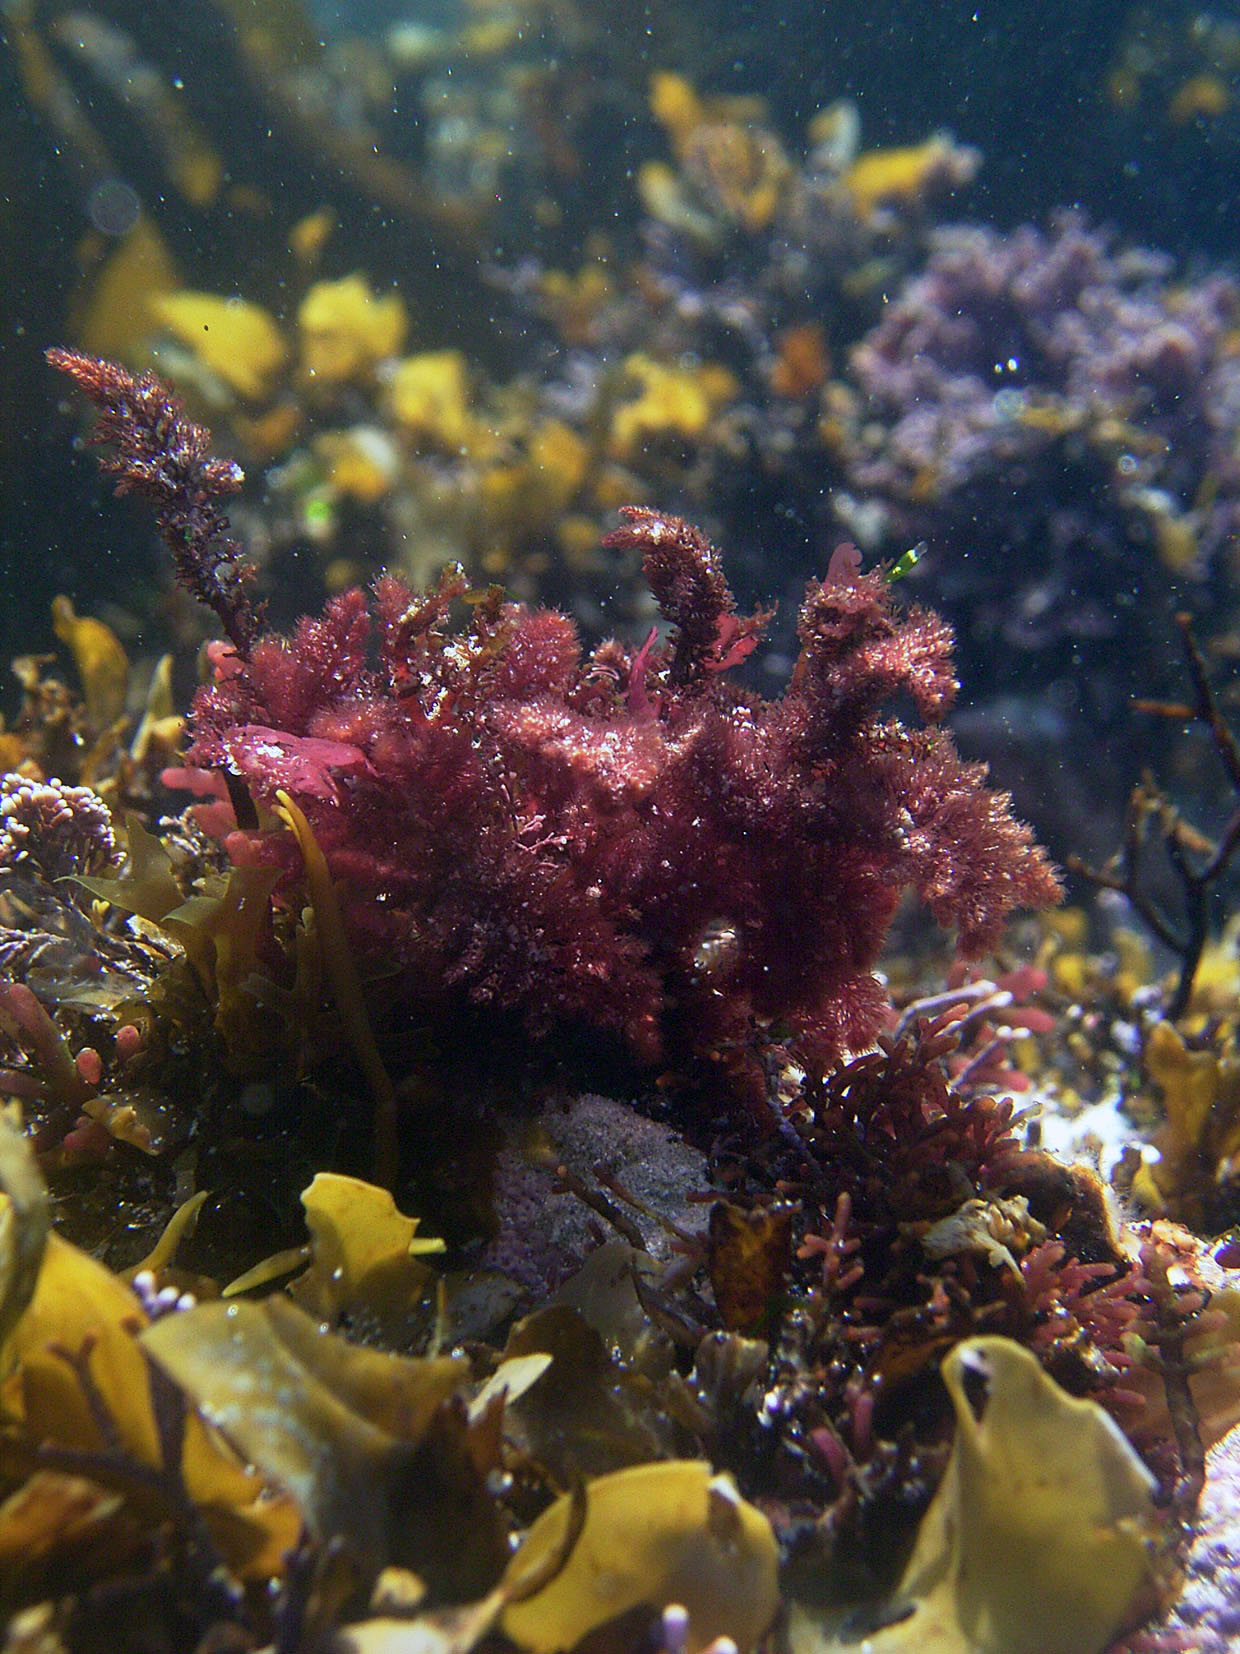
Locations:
column 623, row 837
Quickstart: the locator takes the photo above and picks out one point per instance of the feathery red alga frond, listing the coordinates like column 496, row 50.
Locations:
column 166, row 458
column 625, row 838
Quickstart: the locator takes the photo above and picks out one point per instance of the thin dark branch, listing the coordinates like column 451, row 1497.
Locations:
column 1207, row 704
column 1198, row 862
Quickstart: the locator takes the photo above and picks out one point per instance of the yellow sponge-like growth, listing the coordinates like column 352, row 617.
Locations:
column 346, row 329
column 240, row 342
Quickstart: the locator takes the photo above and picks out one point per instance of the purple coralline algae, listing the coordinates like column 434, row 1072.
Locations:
column 53, row 828
column 1059, row 412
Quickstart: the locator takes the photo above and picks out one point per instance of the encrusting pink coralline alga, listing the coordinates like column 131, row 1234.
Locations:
column 624, row 838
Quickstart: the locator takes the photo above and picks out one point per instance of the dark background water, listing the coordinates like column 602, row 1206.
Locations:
column 1027, row 84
